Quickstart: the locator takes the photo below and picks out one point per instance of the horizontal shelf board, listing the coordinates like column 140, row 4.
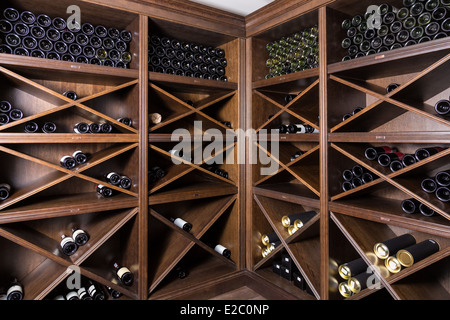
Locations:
column 294, row 137
column 8, row 138
column 391, row 137
column 11, row 60
column 189, row 81
column 291, row 192
column 290, row 80
column 66, row 205
column 196, row 191
column 405, row 60
column 389, row 211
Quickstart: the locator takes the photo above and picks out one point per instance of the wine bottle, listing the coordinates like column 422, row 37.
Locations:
column 392, row 87
column 126, row 121
column 443, row 194
column 125, row 182
column 79, row 156
column 31, row 127
column 94, row 128
column 367, row 177
column 71, row 95
column 72, row 295
column 5, row 106
column 113, row 293
column 49, row 127
column 68, row 245
column 123, row 274
column 396, row 165
column 68, row 162
column 410, row 206
column 385, row 159
column 417, row 252
column 425, row 210
column 15, row 114
column 347, row 185
column 390, row 247
column 359, row 282
column 95, row 291
column 223, row 250
column 180, row 272
column 443, row 178
column 113, row 178
column 83, row 294
column 409, row 159
column 373, row 153
column 352, row 268
column 156, row 173
column 423, row 153
column 15, row 290
column 186, row 226
column 104, row 191
column 4, row 119
column 442, row 107
column 155, row 118
column 106, row 127
column 81, row 127
column 5, row 190
column 429, row 185
column 80, row 236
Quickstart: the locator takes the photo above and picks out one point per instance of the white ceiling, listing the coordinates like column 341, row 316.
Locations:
column 240, row 7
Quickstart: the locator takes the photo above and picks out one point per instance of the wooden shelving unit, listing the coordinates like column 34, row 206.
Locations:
column 404, row 118
column 133, row 227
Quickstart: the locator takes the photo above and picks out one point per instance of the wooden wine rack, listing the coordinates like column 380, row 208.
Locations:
column 347, row 224
column 133, row 227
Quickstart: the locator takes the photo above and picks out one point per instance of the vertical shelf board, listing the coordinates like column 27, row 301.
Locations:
column 324, row 189
column 143, row 160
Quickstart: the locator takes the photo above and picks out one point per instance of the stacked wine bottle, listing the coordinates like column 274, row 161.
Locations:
column 171, row 56
column 24, row 33
column 297, row 52
column 415, row 22
column 8, row 113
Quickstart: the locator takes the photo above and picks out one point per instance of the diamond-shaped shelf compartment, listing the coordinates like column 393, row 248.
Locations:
column 41, row 239
column 99, row 99
column 169, row 243
column 51, row 180
column 301, row 242
column 116, row 244
column 176, row 167
column 400, row 283
column 302, row 170
column 364, row 103
column 179, row 106
column 294, row 102
column 407, row 180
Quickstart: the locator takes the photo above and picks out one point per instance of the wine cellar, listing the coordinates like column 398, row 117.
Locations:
column 353, row 96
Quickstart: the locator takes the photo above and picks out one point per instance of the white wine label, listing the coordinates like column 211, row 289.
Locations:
column 179, row 222
column 14, row 288
column 66, row 240
column 6, row 186
column 220, row 249
column 77, row 232
column 301, row 127
column 71, row 294
column 111, row 174
column 122, row 271
column 91, row 290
